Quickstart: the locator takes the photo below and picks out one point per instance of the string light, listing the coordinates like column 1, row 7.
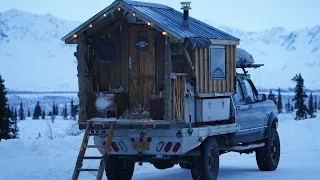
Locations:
column 149, row 23
column 90, row 26
column 119, row 9
column 75, row 36
column 164, row 33
column 105, row 15
column 134, row 14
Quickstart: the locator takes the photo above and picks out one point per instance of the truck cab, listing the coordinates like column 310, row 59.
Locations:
column 254, row 112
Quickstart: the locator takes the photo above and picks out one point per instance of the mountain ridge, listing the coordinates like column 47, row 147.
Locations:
column 33, row 41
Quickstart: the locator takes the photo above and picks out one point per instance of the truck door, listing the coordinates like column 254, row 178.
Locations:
column 256, row 110
column 242, row 110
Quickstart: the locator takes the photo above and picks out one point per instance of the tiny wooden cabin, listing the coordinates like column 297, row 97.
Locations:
column 139, row 60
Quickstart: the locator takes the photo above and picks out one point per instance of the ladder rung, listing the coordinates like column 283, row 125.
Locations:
column 88, row 169
column 92, row 157
column 93, row 146
column 97, row 134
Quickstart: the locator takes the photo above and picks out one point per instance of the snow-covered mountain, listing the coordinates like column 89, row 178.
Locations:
column 33, row 57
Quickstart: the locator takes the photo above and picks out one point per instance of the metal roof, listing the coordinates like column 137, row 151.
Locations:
column 166, row 18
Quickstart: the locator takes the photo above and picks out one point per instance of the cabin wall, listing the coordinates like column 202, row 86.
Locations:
column 204, row 84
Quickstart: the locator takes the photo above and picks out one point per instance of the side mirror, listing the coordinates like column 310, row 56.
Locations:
column 262, row 97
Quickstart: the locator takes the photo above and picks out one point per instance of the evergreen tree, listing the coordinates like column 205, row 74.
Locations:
column 57, row 110
column 37, row 111
column 311, row 107
column 272, row 97
column 299, row 98
column 15, row 114
column 12, row 113
column 288, row 106
column 72, row 110
column 65, row 111
column 15, row 129
column 279, row 103
column 315, row 103
column 29, row 114
column 54, row 108
column 6, row 129
column 21, row 112
column 50, row 113
column 43, row 115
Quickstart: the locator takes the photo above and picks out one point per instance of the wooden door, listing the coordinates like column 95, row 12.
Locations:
column 142, row 69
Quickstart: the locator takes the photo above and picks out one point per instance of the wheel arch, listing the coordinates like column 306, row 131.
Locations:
column 272, row 123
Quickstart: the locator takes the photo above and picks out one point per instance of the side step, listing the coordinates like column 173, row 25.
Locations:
column 243, row 148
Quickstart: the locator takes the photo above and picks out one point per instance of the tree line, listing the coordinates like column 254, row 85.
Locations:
column 9, row 115
column 39, row 113
column 303, row 110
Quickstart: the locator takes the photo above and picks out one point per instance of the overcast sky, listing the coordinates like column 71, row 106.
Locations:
column 242, row 14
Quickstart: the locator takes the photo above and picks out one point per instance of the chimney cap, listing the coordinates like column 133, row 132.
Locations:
column 185, row 5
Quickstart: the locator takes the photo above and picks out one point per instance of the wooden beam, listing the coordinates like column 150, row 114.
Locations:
column 167, row 81
column 186, row 54
column 108, row 28
column 224, row 42
column 83, row 70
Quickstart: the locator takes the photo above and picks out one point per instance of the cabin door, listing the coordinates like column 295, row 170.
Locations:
column 141, row 70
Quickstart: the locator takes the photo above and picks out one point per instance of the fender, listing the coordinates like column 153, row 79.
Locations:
column 272, row 118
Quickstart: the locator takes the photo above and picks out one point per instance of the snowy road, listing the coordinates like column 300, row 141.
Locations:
column 38, row 159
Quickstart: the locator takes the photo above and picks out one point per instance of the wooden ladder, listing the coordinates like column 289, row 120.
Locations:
column 81, row 156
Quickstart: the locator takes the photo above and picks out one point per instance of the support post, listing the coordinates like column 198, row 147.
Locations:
column 167, row 81
column 84, row 80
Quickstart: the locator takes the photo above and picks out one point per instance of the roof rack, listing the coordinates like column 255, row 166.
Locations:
column 243, row 66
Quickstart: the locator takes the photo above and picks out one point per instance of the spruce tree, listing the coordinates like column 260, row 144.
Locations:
column 50, row 113
column 15, row 114
column 43, row 115
column 299, row 98
column 6, row 126
column 57, row 110
column 21, row 112
column 12, row 113
column 29, row 115
column 15, row 129
column 279, row 103
column 311, row 107
column 272, row 97
column 54, row 108
column 315, row 103
column 65, row 112
column 37, row 111
column 72, row 110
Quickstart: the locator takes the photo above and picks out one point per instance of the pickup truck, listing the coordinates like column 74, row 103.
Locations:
column 252, row 128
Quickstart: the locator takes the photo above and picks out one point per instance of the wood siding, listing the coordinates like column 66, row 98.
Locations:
column 202, row 69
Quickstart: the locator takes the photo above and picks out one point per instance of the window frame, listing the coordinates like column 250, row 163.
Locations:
column 211, row 60
column 254, row 91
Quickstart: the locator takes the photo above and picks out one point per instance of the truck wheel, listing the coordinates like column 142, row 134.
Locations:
column 206, row 166
column 117, row 168
column 268, row 156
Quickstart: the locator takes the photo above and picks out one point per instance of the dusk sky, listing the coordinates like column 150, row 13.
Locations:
column 245, row 14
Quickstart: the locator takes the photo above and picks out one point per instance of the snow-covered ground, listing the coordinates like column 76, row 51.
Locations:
column 34, row 158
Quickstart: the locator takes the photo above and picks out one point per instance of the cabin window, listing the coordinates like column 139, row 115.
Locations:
column 217, row 62
column 106, row 51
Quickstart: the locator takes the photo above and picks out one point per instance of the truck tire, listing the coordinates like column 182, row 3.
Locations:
column 206, row 166
column 268, row 157
column 118, row 169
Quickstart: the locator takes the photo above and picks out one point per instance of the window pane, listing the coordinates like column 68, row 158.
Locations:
column 249, row 91
column 238, row 96
column 217, row 62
